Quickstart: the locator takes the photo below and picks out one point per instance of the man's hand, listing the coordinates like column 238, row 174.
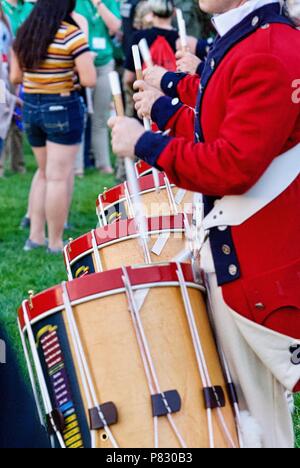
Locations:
column 125, row 134
column 191, row 44
column 145, row 98
column 187, row 62
column 153, row 76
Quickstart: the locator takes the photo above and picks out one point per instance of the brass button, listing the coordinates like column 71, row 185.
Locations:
column 265, row 26
column 226, row 249
column 213, row 64
column 260, row 306
column 233, row 269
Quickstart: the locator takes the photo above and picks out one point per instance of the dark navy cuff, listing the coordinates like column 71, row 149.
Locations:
column 170, row 82
column 164, row 109
column 200, row 68
column 150, row 146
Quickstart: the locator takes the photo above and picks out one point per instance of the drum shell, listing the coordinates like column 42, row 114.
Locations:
column 119, row 244
column 116, row 366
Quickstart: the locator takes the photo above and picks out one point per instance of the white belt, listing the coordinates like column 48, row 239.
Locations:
column 235, row 210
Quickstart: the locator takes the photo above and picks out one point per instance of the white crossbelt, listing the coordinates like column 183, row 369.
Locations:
column 235, row 210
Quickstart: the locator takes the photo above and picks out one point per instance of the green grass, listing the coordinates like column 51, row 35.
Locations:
column 20, row 271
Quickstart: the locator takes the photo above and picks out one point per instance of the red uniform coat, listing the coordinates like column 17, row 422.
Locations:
column 250, row 114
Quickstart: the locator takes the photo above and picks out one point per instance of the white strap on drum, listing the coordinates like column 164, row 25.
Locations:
column 201, row 360
column 235, row 210
column 150, row 371
column 41, row 379
column 85, row 373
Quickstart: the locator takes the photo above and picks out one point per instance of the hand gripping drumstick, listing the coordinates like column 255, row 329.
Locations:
column 143, row 47
column 140, row 77
column 130, row 172
column 182, row 30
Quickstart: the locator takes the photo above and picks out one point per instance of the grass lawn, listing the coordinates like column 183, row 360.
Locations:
column 20, row 271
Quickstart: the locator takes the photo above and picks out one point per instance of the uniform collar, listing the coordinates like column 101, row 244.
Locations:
column 226, row 21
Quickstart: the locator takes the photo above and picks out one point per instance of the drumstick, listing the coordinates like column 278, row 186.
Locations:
column 130, row 171
column 139, row 75
column 182, row 30
column 146, row 54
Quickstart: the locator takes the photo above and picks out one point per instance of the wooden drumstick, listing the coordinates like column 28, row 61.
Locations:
column 182, row 30
column 130, row 171
column 146, row 54
column 140, row 77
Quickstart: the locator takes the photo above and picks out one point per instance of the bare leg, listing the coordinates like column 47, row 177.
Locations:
column 37, row 198
column 32, row 195
column 60, row 168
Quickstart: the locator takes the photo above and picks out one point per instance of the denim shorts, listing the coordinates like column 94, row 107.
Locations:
column 54, row 118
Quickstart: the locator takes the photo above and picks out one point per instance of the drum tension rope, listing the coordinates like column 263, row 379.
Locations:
column 55, row 421
column 232, row 394
column 110, row 413
column 214, row 397
column 166, row 403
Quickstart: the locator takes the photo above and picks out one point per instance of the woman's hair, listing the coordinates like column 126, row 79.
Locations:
column 162, row 8
column 292, row 8
column 39, row 30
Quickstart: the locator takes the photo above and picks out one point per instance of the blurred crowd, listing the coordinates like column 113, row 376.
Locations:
column 55, row 60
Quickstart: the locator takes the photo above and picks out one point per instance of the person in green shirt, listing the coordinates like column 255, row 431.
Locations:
column 17, row 11
column 104, row 21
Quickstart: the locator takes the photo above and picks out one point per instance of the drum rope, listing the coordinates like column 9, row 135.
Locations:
column 203, row 368
column 199, row 359
column 145, row 350
column 96, row 253
column 226, row 369
column 85, row 373
column 41, row 378
column 146, row 365
column 31, row 376
column 102, row 216
column 171, row 196
column 68, row 263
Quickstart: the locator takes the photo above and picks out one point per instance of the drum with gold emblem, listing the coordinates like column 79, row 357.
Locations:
column 127, row 359
column 162, row 200
column 119, row 244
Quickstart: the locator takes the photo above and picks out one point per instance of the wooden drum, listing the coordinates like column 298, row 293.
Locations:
column 119, row 244
column 117, row 203
column 126, row 358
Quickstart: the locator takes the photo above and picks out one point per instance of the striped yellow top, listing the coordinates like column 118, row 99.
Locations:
column 56, row 74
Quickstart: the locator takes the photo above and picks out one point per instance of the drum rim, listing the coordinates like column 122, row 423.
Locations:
column 105, row 284
column 82, row 246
